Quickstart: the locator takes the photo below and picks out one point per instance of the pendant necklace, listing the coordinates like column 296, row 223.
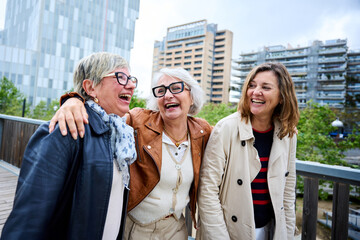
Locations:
column 177, row 142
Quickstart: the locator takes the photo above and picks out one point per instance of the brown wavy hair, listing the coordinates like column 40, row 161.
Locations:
column 287, row 111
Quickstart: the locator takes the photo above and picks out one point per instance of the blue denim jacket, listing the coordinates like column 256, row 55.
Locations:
column 44, row 169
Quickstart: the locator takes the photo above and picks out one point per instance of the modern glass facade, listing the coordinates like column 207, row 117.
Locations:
column 44, row 39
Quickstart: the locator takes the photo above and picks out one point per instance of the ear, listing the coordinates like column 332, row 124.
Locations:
column 88, row 86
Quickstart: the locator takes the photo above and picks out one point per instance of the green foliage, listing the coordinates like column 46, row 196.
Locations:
column 314, row 141
column 11, row 99
column 44, row 112
column 214, row 112
column 137, row 102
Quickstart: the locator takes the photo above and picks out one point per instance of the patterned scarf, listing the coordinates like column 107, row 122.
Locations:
column 122, row 140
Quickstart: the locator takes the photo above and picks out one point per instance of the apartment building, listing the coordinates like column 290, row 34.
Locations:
column 319, row 71
column 44, row 39
column 353, row 74
column 202, row 50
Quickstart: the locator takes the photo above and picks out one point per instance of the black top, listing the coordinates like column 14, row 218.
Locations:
column 263, row 210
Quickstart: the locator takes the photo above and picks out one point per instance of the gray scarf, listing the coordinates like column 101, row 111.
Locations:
column 122, row 140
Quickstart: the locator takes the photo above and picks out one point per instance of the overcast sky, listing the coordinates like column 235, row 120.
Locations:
column 254, row 23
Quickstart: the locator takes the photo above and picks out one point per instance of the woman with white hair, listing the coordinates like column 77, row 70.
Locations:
column 170, row 145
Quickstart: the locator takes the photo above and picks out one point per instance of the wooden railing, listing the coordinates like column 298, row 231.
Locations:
column 15, row 133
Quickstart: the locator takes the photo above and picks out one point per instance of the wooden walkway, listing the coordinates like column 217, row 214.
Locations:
column 8, row 181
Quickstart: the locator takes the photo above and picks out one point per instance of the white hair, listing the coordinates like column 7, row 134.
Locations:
column 196, row 92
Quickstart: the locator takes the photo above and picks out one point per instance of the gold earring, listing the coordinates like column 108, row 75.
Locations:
column 96, row 100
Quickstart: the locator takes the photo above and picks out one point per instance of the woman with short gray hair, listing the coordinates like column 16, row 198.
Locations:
column 77, row 189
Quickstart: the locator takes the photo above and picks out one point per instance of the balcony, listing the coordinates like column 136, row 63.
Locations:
column 330, row 51
column 332, row 60
column 246, row 59
column 329, row 70
column 16, row 132
column 339, row 87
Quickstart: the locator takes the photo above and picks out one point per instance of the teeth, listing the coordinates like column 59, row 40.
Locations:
column 257, row 101
column 127, row 96
column 171, row 105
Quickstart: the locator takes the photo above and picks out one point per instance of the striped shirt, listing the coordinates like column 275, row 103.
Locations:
column 263, row 210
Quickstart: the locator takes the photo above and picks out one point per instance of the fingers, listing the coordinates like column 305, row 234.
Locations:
column 71, row 123
column 53, row 121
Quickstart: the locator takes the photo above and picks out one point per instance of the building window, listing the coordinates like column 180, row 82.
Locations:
column 197, row 68
column 169, row 53
column 187, row 57
column 198, row 49
column 178, row 52
column 221, row 52
column 168, row 59
column 188, row 51
column 194, row 44
column 198, row 62
column 187, row 63
column 168, row 65
column 177, row 64
column 197, row 75
column 173, row 47
column 187, row 69
column 198, row 56
column 177, row 58
column 220, row 46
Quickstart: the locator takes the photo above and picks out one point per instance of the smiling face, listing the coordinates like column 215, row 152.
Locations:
column 113, row 97
column 263, row 95
column 173, row 106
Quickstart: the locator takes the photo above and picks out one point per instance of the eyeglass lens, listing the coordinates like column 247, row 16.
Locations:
column 174, row 88
column 123, row 78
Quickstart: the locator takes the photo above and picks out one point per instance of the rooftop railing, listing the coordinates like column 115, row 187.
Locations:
column 15, row 133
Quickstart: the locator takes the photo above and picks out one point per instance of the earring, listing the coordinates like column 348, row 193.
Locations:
column 96, row 100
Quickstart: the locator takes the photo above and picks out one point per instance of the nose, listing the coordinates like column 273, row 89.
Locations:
column 130, row 84
column 257, row 91
column 168, row 94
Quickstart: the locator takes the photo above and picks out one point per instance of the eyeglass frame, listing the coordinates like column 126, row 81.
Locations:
column 183, row 87
column 127, row 78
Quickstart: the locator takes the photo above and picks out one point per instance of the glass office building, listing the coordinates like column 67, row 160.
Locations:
column 43, row 40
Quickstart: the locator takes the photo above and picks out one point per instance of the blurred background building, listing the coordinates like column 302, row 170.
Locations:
column 202, row 50
column 321, row 72
column 43, row 40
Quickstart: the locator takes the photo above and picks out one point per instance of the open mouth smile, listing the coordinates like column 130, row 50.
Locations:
column 170, row 105
column 126, row 97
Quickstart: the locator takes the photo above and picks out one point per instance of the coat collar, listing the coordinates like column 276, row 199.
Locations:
column 246, row 131
column 95, row 121
column 156, row 124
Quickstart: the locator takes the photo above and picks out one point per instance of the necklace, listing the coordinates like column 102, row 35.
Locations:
column 177, row 142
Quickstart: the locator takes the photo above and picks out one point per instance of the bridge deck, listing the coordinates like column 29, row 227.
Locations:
column 8, row 181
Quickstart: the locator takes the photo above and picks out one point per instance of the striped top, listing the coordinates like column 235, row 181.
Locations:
column 263, row 210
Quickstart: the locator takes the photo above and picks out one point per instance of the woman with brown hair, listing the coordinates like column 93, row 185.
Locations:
column 247, row 178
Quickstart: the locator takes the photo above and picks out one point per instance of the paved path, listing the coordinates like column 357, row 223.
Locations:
column 8, row 180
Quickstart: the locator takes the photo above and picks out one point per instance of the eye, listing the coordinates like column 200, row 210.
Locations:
column 160, row 90
column 251, row 85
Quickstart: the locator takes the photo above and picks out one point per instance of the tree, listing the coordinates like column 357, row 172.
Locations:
column 44, row 112
column 214, row 112
column 11, row 99
column 137, row 102
column 314, row 141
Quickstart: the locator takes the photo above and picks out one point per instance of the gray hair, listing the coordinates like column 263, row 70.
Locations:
column 95, row 67
column 196, row 92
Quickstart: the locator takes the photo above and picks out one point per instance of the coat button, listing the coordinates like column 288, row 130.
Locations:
column 286, row 174
column 149, row 147
column 234, row 218
column 239, row 181
column 243, row 143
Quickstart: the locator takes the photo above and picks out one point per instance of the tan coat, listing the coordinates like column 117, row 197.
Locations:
column 145, row 171
column 229, row 166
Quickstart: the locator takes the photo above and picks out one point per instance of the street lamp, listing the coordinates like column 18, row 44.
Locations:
column 340, row 126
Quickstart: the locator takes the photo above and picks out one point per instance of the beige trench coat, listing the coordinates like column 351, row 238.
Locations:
column 230, row 164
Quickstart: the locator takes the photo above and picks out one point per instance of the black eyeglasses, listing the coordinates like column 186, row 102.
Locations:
column 123, row 79
column 174, row 88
